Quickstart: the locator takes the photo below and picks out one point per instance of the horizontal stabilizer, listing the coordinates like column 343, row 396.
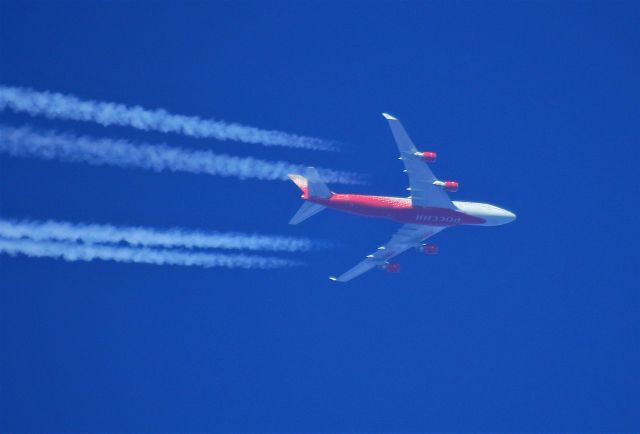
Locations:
column 307, row 210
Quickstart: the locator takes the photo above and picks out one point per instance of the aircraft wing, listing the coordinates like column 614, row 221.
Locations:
column 421, row 178
column 407, row 236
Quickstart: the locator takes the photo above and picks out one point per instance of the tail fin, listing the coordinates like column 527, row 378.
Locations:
column 301, row 182
column 311, row 186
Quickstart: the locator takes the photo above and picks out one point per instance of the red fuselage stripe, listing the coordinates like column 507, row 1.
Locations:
column 396, row 208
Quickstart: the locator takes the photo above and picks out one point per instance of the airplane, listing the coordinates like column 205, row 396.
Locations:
column 427, row 211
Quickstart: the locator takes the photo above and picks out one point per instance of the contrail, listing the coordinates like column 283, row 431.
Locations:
column 49, row 145
column 140, row 236
column 58, row 106
column 141, row 255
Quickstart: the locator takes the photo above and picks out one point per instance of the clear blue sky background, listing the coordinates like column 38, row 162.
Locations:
column 530, row 326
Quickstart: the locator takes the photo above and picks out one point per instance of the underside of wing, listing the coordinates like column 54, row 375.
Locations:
column 421, row 178
column 407, row 236
column 356, row 271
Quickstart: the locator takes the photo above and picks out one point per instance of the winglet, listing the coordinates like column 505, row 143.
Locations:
column 388, row 117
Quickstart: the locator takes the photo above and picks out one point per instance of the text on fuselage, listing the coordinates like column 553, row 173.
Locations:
column 438, row 219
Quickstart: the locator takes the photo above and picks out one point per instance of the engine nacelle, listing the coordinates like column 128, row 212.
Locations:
column 451, row 186
column 429, row 249
column 428, row 156
column 447, row 185
column 391, row 267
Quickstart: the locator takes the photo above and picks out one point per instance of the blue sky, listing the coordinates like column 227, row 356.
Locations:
column 532, row 106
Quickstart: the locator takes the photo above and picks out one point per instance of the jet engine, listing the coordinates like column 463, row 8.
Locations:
column 451, row 186
column 391, row 267
column 428, row 156
column 429, row 249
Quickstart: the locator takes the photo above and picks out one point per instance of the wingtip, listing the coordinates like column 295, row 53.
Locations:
column 389, row 117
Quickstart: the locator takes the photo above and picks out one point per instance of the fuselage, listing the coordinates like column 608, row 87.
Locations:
column 400, row 209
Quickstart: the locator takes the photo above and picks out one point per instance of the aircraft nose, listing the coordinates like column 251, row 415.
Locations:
column 503, row 216
column 509, row 215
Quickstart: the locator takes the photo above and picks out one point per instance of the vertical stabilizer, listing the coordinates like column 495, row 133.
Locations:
column 316, row 187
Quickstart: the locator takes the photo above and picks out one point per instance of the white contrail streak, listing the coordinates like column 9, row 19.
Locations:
column 58, row 106
column 140, row 236
column 49, row 145
column 141, row 255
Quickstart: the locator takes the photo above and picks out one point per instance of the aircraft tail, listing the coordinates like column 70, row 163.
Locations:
column 311, row 186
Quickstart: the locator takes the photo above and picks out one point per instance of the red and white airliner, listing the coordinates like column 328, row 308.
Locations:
column 427, row 211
